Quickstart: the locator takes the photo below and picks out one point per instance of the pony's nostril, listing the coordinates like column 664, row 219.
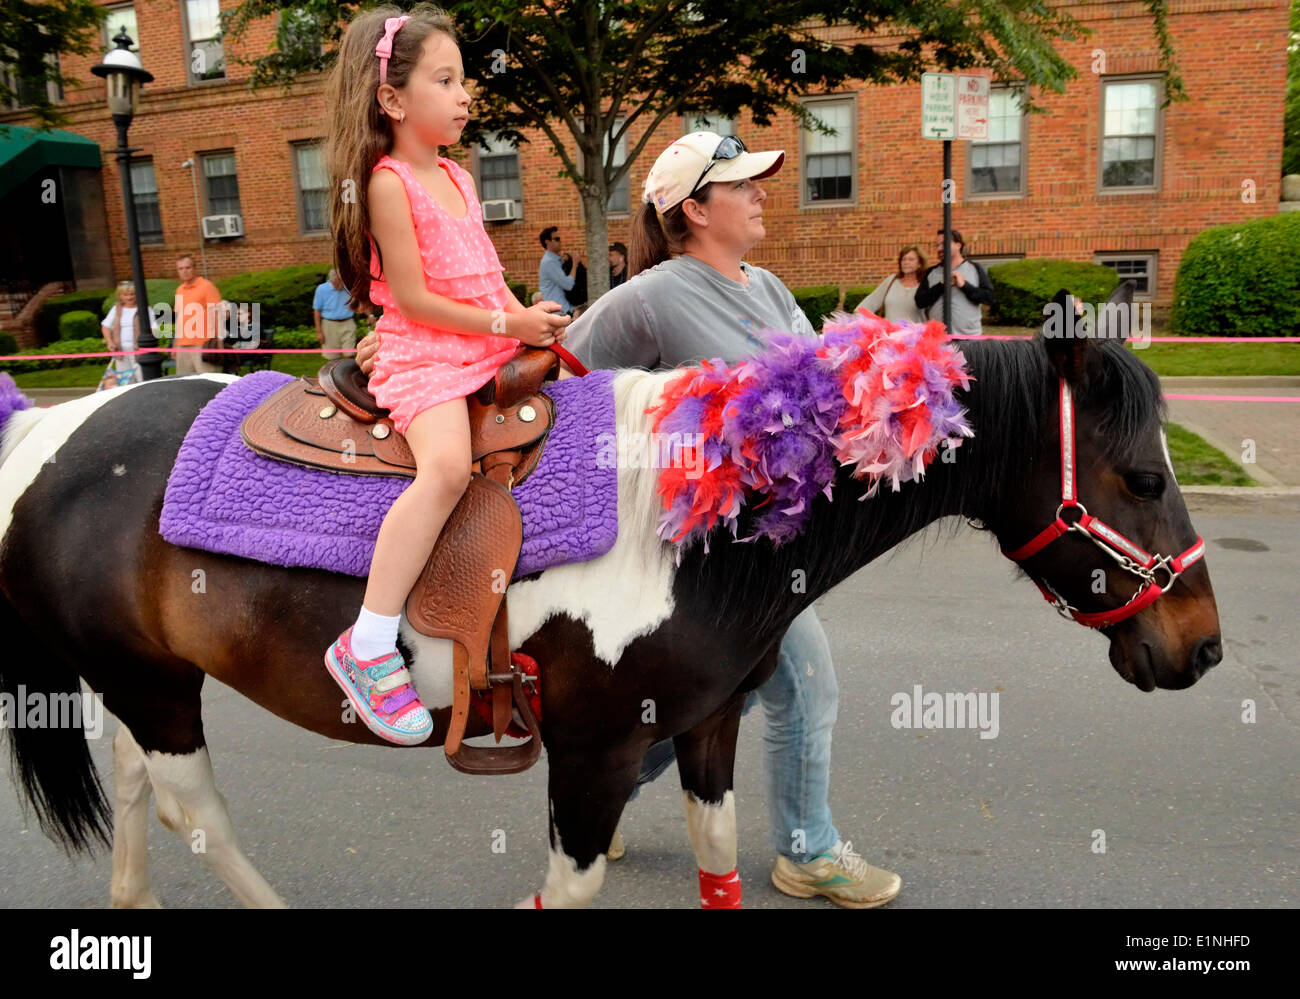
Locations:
column 1209, row 652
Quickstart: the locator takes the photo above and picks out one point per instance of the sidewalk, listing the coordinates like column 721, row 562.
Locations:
column 1273, row 426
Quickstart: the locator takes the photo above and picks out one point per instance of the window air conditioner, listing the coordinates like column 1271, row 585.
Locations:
column 500, row 210
column 222, row 226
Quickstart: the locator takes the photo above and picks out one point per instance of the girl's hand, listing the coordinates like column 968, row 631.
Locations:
column 367, row 351
column 541, row 325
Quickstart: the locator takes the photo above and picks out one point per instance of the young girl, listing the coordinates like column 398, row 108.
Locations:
column 409, row 236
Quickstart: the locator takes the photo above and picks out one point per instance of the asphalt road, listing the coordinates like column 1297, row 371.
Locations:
column 1197, row 807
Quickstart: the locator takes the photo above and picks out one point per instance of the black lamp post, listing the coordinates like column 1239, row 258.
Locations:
column 124, row 75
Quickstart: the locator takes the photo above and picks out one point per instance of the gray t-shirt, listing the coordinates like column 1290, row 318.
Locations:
column 682, row 311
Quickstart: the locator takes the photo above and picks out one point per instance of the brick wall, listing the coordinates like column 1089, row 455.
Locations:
column 1232, row 56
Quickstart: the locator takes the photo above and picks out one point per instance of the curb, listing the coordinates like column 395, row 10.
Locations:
column 1242, row 499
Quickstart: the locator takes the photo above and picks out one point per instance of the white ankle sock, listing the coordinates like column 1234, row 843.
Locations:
column 374, row 635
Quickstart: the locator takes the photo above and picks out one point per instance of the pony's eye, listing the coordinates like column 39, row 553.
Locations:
column 1145, row 485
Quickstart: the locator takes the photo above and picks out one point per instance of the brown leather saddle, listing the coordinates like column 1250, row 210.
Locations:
column 333, row 422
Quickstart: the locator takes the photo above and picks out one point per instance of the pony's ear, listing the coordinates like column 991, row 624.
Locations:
column 1113, row 319
column 1068, row 354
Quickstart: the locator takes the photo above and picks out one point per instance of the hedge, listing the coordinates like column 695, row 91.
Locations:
column 8, row 345
column 853, row 297
column 86, row 346
column 297, row 337
column 1022, row 287
column 283, row 296
column 817, row 302
column 47, row 320
column 1241, row 280
column 78, row 326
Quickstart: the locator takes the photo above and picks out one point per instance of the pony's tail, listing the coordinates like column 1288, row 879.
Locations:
column 12, row 401
column 51, row 763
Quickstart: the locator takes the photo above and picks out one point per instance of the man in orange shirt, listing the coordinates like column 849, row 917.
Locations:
column 197, row 318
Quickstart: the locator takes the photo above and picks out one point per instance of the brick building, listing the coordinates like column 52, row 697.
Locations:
column 1102, row 175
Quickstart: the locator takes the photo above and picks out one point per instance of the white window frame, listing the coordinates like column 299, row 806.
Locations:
column 1153, row 262
column 151, row 239
column 623, row 185
column 109, row 31
column 851, row 99
column 199, row 81
column 695, row 123
column 1158, row 165
column 298, row 189
column 480, row 156
column 207, row 200
column 971, row 193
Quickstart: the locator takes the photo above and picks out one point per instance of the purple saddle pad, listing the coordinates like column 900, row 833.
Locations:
column 224, row 497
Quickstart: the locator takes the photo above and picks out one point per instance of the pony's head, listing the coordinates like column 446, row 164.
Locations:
column 1100, row 524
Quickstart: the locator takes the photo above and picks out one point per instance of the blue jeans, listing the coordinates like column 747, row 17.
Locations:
column 801, row 700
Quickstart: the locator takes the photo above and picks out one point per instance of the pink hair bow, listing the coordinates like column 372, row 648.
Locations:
column 385, row 47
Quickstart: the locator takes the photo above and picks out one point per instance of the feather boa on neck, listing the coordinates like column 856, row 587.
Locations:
column 869, row 393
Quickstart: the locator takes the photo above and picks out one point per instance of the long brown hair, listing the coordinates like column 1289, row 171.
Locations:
column 361, row 134
column 656, row 238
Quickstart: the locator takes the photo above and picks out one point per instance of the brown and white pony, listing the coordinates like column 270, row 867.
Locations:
column 91, row 591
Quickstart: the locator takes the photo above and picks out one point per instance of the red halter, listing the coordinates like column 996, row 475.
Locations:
column 1130, row 557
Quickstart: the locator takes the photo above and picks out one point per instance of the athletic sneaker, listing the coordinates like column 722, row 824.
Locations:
column 381, row 693
column 841, row 875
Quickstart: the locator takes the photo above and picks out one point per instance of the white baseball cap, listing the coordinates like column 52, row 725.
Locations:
column 691, row 160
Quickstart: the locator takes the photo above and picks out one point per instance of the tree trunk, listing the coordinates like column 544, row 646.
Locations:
column 597, row 248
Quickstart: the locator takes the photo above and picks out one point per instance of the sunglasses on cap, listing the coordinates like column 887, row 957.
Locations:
column 728, row 149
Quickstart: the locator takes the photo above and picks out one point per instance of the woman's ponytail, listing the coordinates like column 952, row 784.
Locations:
column 657, row 238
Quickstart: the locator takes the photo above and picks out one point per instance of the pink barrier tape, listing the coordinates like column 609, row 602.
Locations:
column 1237, row 398
column 179, row 350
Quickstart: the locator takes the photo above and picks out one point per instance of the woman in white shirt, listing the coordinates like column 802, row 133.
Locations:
column 895, row 296
column 119, row 334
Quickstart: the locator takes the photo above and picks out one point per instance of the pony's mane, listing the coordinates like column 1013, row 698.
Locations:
column 1012, row 390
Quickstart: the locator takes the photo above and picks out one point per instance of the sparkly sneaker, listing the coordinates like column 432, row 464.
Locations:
column 841, row 875
column 380, row 690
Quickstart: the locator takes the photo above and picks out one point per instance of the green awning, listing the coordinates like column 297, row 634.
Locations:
column 26, row 151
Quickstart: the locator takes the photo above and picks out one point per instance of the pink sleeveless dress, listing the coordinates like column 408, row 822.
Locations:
column 420, row 366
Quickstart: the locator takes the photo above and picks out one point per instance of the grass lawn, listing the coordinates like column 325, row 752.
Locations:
column 1197, row 463
column 82, row 375
column 1203, row 359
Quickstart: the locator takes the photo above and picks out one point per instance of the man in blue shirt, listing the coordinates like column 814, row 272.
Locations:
column 335, row 327
column 551, row 279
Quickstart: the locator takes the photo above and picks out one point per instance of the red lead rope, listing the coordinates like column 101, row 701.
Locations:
column 1130, row 557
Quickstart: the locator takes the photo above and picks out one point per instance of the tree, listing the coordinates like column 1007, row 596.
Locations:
column 32, row 36
column 584, row 71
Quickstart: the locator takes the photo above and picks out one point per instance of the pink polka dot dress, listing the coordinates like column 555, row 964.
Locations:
column 420, row 366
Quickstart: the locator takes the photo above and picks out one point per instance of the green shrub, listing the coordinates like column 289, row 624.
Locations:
column 8, row 345
column 86, row 346
column 1241, row 279
column 47, row 320
column 160, row 291
column 853, row 296
column 1022, row 287
column 517, row 288
column 283, row 296
column 78, row 325
column 297, row 337
column 817, row 302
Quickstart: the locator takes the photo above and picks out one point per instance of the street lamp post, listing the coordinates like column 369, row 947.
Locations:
column 124, row 75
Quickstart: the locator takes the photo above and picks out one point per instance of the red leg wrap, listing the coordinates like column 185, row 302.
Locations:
column 719, row 891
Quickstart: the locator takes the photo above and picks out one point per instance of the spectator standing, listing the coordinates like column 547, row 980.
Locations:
column 197, row 319
column 118, row 329
column 617, row 264
column 552, row 280
column 336, row 327
column 895, row 296
column 971, row 288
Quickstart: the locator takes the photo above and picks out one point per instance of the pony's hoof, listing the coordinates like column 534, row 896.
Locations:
column 145, row 901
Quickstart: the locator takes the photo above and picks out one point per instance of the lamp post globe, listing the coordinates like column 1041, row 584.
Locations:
column 124, row 75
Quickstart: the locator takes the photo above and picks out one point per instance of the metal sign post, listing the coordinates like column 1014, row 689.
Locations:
column 952, row 107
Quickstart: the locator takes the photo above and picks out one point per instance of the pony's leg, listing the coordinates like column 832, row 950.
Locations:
column 706, row 757
column 130, row 884
column 587, row 790
column 190, row 805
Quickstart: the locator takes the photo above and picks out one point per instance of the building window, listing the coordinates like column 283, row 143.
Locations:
column 28, row 91
column 498, row 170
column 618, row 197
column 708, row 123
column 118, row 18
column 221, row 185
column 203, row 27
column 827, row 162
column 996, row 165
column 313, row 186
column 144, row 189
column 1140, row 268
column 1130, row 130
